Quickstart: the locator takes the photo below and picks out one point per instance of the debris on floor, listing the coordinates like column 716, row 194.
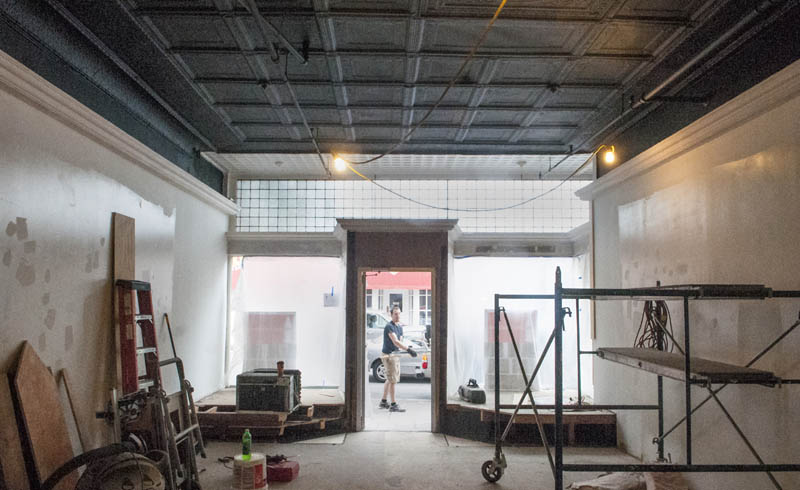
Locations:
column 612, row 481
column 665, row 481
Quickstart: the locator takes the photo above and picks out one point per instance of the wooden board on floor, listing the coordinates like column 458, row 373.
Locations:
column 12, row 463
column 43, row 419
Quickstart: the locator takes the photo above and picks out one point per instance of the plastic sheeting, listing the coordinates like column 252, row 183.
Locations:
column 473, row 284
column 278, row 310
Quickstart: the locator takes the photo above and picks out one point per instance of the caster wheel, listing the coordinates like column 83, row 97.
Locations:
column 488, row 474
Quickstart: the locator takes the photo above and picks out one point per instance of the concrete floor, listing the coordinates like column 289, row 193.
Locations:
column 404, row 460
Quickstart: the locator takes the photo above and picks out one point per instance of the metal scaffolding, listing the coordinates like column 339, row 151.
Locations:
column 692, row 371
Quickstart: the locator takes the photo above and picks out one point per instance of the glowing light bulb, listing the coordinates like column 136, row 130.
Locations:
column 609, row 156
column 339, row 164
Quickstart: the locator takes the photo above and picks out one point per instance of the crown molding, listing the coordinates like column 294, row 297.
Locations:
column 768, row 94
column 21, row 82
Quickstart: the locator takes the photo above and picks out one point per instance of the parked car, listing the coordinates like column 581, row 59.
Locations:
column 418, row 367
column 409, row 366
column 376, row 320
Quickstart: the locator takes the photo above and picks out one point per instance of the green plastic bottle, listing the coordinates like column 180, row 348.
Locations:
column 247, row 441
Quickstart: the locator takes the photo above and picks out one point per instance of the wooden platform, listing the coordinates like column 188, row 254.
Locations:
column 218, row 417
column 570, row 419
column 671, row 365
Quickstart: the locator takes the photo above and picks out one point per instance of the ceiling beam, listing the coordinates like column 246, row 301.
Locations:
column 397, row 53
column 397, row 84
column 371, row 107
column 322, row 124
column 518, row 16
column 146, row 25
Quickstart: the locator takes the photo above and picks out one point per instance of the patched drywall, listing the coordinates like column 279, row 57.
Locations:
column 59, row 191
column 724, row 212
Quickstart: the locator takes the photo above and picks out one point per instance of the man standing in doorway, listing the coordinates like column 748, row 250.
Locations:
column 392, row 333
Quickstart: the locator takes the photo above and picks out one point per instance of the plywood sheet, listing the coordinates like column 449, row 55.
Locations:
column 124, row 244
column 671, row 365
column 12, row 464
column 124, row 240
column 43, row 418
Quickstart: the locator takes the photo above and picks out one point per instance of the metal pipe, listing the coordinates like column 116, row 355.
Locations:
column 308, row 128
column 683, row 468
column 744, row 438
column 687, row 367
column 585, row 407
column 530, row 396
column 559, row 436
column 578, row 335
column 497, row 448
column 680, row 71
column 705, row 52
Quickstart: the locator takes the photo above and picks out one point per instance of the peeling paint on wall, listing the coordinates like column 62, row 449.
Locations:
column 47, row 275
column 29, row 247
column 50, row 319
column 68, row 338
column 11, row 228
column 45, row 298
column 22, row 229
column 7, row 258
column 26, row 274
column 42, row 342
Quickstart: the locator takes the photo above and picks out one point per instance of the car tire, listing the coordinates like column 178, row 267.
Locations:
column 378, row 371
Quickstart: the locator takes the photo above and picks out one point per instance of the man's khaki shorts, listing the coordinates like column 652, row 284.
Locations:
column 391, row 363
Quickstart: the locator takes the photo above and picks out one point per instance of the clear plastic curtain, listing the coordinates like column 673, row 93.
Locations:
column 474, row 283
column 290, row 309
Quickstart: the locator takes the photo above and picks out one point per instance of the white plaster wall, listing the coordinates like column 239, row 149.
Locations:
column 727, row 211
column 58, row 189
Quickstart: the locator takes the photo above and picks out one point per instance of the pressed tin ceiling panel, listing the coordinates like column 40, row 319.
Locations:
column 548, row 77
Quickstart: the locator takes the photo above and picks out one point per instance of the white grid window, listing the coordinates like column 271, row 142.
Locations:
column 314, row 205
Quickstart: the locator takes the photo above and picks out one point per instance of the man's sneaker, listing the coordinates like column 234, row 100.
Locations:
column 396, row 408
column 383, row 404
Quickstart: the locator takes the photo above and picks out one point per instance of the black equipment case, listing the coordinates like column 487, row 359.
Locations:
column 471, row 393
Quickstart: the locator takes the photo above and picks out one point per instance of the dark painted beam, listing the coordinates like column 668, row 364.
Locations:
column 44, row 41
column 394, row 53
column 508, row 16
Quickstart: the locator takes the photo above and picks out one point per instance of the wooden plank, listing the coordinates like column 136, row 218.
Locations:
column 123, row 242
column 548, row 417
column 12, row 463
column 671, row 365
column 239, row 419
column 43, row 419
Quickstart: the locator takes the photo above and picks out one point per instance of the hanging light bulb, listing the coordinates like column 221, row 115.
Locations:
column 339, row 163
column 609, row 157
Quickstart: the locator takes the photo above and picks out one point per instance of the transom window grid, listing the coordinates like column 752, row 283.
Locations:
column 314, row 205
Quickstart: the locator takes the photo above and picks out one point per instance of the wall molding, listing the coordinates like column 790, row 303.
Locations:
column 285, row 244
column 23, row 83
column 768, row 94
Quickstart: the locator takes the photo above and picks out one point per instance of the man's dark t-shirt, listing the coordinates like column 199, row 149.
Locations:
column 388, row 345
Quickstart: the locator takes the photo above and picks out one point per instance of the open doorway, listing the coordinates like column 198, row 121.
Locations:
column 412, row 293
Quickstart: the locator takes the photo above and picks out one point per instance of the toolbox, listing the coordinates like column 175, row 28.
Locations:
column 266, row 390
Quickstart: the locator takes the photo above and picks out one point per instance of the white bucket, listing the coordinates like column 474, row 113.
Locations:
column 251, row 474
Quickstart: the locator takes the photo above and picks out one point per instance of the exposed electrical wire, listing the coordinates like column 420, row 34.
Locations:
column 303, row 117
column 450, row 85
column 470, row 210
column 655, row 327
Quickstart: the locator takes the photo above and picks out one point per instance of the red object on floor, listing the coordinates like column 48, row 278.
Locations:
column 283, row 471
